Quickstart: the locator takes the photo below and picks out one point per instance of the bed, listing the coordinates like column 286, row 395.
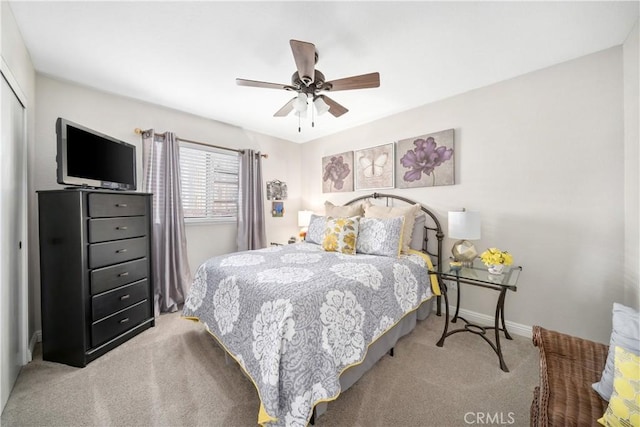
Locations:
column 305, row 322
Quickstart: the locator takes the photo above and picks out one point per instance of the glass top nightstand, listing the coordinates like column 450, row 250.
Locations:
column 478, row 275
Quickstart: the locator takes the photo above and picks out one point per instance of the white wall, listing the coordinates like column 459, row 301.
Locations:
column 118, row 117
column 541, row 157
column 16, row 57
column 631, row 62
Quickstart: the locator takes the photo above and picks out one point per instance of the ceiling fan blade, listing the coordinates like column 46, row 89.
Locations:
column 334, row 108
column 286, row 109
column 304, row 54
column 363, row 81
column 255, row 83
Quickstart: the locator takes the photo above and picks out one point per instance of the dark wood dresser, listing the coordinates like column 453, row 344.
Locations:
column 95, row 271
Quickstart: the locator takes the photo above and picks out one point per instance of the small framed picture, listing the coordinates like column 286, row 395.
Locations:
column 276, row 190
column 277, row 209
column 374, row 167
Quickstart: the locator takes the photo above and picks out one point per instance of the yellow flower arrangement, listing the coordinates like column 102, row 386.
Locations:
column 494, row 256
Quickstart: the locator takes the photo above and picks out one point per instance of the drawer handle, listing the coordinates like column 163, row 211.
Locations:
column 121, row 205
column 121, row 251
column 126, row 273
column 125, row 320
column 124, row 297
column 121, row 228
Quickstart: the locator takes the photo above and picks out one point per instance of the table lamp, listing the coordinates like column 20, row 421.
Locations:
column 303, row 222
column 465, row 226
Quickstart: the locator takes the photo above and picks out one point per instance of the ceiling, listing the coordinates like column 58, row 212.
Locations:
column 187, row 55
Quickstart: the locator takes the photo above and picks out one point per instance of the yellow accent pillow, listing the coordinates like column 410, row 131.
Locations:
column 624, row 405
column 340, row 235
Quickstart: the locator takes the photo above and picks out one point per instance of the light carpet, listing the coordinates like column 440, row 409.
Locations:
column 175, row 375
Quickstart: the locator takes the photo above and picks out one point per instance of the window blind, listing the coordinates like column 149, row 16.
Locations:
column 209, row 183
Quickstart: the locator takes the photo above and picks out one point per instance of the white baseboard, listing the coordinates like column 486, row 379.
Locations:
column 487, row 320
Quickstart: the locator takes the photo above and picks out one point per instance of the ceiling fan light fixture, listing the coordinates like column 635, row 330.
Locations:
column 321, row 106
column 300, row 104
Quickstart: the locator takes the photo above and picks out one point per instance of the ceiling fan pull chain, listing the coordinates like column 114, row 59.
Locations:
column 313, row 116
column 298, row 123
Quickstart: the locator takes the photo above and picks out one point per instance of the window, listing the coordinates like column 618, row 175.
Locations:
column 209, row 183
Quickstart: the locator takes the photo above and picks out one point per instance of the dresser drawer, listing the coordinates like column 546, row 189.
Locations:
column 106, row 205
column 117, row 299
column 105, row 229
column 106, row 278
column 102, row 254
column 112, row 326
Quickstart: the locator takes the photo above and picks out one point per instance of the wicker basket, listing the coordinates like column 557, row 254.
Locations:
column 568, row 367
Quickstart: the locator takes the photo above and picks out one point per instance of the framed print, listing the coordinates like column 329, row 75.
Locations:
column 276, row 190
column 425, row 161
column 277, row 209
column 337, row 173
column 374, row 167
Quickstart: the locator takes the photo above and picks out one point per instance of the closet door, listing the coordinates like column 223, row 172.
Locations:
column 12, row 238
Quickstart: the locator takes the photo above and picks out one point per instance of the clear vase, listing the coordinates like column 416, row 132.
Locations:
column 495, row 268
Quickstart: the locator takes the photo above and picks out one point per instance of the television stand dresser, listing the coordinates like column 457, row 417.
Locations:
column 95, row 271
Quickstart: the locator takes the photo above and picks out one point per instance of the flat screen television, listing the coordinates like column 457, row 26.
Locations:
column 90, row 159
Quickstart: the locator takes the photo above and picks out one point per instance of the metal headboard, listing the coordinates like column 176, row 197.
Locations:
column 433, row 229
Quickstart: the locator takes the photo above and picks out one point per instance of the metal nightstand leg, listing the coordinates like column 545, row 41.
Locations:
column 446, row 316
column 455, row 316
column 500, row 318
column 478, row 329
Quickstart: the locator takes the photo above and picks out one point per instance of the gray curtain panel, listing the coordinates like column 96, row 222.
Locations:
column 171, row 272
column 251, row 226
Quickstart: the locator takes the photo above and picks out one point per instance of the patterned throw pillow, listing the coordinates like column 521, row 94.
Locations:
column 624, row 405
column 315, row 232
column 340, row 235
column 409, row 213
column 377, row 236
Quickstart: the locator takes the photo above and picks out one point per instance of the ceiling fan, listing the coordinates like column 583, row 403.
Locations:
column 308, row 82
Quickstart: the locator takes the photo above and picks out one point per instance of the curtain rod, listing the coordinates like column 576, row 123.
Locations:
column 266, row 156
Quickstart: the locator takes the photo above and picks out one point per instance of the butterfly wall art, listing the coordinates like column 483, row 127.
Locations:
column 374, row 167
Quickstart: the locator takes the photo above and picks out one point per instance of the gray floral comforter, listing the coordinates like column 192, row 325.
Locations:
column 294, row 317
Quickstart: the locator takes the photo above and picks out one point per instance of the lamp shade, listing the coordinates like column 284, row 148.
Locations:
column 464, row 225
column 321, row 106
column 300, row 104
column 303, row 218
